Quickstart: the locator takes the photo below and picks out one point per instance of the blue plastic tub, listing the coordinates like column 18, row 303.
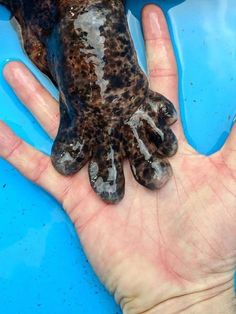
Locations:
column 42, row 265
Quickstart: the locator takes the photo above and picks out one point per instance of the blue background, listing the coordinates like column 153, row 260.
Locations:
column 42, row 265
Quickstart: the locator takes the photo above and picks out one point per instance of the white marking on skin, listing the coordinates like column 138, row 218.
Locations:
column 159, row 106
column 90, row 22
column 162, row 174
column 142, row 115
column 102, row 186
column 134, row 122
column 112, row 170
column 94, row 170
column 71, row 11
column 158, row 170
column 77, row 145
column 142, row 147
column 109, row 186
column 67, row 157
column 155, row 106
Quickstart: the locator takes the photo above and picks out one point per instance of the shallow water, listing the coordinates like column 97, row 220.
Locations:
column 41, row 262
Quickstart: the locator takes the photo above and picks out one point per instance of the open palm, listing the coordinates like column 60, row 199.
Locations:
column 153, row 247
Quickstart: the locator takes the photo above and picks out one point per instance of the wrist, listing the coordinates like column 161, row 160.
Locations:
column 217, row 300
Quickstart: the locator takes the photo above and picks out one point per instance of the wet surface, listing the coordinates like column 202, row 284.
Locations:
column 39, row 250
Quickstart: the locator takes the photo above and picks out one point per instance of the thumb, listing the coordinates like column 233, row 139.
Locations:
column 228, row 151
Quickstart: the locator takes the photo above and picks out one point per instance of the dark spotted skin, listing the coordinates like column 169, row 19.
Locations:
column 107, row 111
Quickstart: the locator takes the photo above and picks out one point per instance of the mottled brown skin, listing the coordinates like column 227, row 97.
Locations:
column 108, row 112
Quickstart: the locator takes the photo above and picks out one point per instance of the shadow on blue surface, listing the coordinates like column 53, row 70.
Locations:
column 42, row 265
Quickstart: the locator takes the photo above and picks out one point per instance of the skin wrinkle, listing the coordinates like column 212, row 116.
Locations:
column 148, row 233
column 132, row 204
column 217, row 254
column 129, row 214
column 13, row 142
column 80, row 227
column 192, row 293
column 165, row 245
column 119, row 260
column 222, row 202
column 157, row 74
column 42, row 165
column 205, row 239
column 177, row 189
column 76, row 207
column 177, row 179
column 161, row 238
column 234, row 195
column 198, row 230
column 134, row 227
column 101, row 90
column 52, row 131
column 15, row 147
column 229, row 172
column 208, row 244
column 200, row 249
column 64, row 196
column 65, row 191
column 204, row 300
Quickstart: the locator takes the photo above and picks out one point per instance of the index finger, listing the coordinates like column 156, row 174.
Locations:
column 33, row 95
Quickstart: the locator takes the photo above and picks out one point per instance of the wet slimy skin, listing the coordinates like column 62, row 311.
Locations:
column 108, row 113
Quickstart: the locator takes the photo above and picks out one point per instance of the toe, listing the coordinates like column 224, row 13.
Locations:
column 106, row 174
column 164, row 109
column 167, row 144
column 148, row 169
column 70, row 152
column 152, row 174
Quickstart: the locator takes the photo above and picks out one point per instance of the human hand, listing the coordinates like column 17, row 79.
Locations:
column 158, row 252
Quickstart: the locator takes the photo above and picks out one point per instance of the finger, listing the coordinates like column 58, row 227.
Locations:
column 160, row 56
column 35, row 97
column 31, row 163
